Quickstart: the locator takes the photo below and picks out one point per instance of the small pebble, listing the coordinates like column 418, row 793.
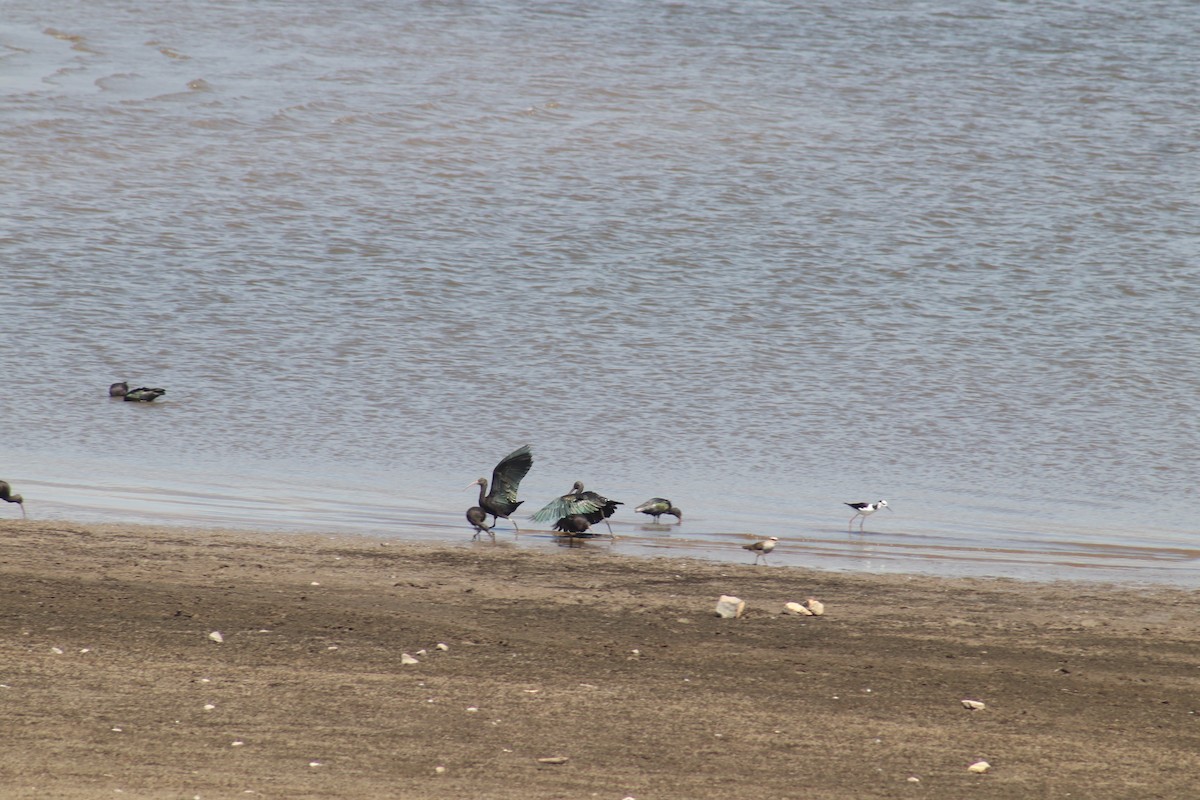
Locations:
column 554, row 760
column 405, row 658
column 440, row 770
column 815, row 606
column 314, row 763
column 973, row 705
column 979, row 767
column 238, row 743
column 472, row 709
column 443, row 646
column 209, row 707
column 56, row 650
column 216, row 637
column 798, row 610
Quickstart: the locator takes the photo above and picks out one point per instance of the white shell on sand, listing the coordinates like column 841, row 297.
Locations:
column 798, row 609
column 815, row 606
column 443, row 646
column 216, row 637
column 554, row 760
column 979, row 767
column 405, row 658
column 974, row 705
column 729, row 607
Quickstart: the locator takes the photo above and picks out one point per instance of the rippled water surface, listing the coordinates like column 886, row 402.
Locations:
column 758, row 257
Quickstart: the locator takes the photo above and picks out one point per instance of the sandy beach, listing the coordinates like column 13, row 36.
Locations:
column 614, row 668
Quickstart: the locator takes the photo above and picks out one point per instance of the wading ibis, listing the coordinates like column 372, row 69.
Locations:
column 478, row 519
column 593, row 507
column 502, row 500
column 657, row 506
column 7, row 495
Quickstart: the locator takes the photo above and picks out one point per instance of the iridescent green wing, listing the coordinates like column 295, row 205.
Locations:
column 564, row 506
column 506, row 477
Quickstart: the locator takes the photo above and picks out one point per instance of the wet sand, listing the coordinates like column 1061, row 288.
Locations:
column 112, row 686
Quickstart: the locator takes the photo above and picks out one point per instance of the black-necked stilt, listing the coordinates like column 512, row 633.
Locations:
column 478, row 519
column 760, row 549
column 657, row 506
column 6, row 494
column 865, row 510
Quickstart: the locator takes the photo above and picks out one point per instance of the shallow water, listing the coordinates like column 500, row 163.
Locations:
column 760, row 259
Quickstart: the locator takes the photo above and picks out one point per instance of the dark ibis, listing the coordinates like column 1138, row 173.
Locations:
column 657, row 506
column 573, row 528
column 143, row 394
column 7, row 495
column 865, row 510
column 478, row 518
column 593, row 507
column 573, row 525
column 502, row 500
column 118, row 389
column 761, row 548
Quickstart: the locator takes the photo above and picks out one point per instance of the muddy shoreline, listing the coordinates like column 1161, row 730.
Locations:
column 112, row 683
